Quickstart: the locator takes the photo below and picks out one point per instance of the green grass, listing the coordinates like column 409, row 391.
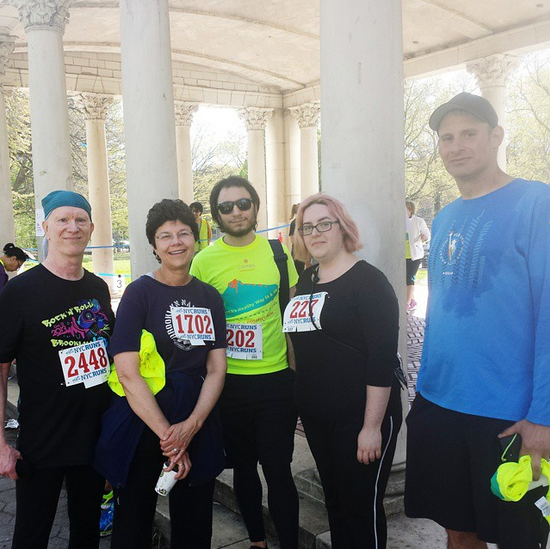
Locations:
column 122, row 265
column 422, row 276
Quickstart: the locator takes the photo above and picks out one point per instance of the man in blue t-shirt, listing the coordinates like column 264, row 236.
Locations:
column 485, row 370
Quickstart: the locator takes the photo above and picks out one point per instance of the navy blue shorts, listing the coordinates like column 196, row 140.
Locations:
column 451, row 458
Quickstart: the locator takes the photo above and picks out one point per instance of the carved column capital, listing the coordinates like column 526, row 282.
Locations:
column 7, row 43
column 307, row 114
column 184, row 113
column 7, row 92
column 255, row 118
column 46, row 13
column 493, row 70
column 94, row 105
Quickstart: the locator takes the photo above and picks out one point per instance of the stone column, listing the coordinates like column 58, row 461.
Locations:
column 308, row 119
column 148, row 100
column 275, row 172
column 292, row 161
column 256, row 120
column 184, row 119
column 362, row 146
column 95, row 108
column 492, row 75
column 44, row 22
column 7, row 225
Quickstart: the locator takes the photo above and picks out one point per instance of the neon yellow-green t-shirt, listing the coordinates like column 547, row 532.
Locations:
column 248, row 280
column 204, row 235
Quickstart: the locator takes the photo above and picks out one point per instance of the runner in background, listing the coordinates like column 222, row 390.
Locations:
column 205, row 231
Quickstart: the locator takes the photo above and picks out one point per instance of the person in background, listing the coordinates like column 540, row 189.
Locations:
column 417, row 235
column 344, row 323
column 11, row 260
column 205, row 231
column 300, row 265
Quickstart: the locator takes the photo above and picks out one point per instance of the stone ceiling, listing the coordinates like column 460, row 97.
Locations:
column 271, row 47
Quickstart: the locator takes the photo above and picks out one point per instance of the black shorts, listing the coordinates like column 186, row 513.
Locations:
column 259, row 418
column 451, row 458
column 412, row 269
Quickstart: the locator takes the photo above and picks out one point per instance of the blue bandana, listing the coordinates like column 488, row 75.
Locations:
column 58, row 199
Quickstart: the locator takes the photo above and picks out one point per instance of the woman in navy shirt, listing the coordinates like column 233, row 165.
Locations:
column 187, row 320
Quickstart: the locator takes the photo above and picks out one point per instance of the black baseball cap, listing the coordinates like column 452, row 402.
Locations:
column 473, row 104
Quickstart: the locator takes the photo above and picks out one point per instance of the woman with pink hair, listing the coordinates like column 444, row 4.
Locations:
column 343, row 323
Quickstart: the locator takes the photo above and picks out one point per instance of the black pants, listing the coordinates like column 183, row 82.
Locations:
column 412, row 266
column 259, row 419
column 37, row 496
column 190, row 507
column 354, row 492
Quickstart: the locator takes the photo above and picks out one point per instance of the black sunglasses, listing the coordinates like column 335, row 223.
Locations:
column 243, row 204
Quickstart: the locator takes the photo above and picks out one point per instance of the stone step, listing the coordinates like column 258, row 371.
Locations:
column 314, row 529
column 313, row 518
column 309, row 484
column 228, row 528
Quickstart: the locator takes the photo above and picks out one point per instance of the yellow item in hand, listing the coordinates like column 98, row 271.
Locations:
column 151, row 367
column 512, row 480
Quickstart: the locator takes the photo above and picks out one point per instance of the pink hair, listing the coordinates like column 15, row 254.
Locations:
column 352, row 240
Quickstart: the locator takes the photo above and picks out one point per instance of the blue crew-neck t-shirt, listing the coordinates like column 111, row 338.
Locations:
column 487, row 340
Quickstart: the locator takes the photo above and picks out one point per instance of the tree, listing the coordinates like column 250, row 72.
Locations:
column 528, row 119
column 214, row 159
column 427, row 182
column 19, row 142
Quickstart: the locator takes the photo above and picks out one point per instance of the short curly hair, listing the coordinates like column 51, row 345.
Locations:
column 169, row 210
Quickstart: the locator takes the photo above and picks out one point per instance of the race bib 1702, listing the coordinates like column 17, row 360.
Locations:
column 87, row 363
column 193, row 324
column 301, row 309
column 244, row 341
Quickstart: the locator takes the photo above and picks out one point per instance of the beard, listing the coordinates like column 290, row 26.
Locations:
column 237, row 233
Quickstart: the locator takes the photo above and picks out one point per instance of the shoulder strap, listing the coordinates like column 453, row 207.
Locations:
column 281, row 258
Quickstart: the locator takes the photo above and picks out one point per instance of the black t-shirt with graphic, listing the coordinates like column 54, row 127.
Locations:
column 179, row 317
column 41, row 315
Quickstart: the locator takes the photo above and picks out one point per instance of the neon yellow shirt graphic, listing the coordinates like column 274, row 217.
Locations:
column 248, row 281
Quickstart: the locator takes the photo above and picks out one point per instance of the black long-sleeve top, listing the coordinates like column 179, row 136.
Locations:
column 361, row 313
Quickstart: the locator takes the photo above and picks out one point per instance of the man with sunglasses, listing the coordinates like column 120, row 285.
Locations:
column 257, row 407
